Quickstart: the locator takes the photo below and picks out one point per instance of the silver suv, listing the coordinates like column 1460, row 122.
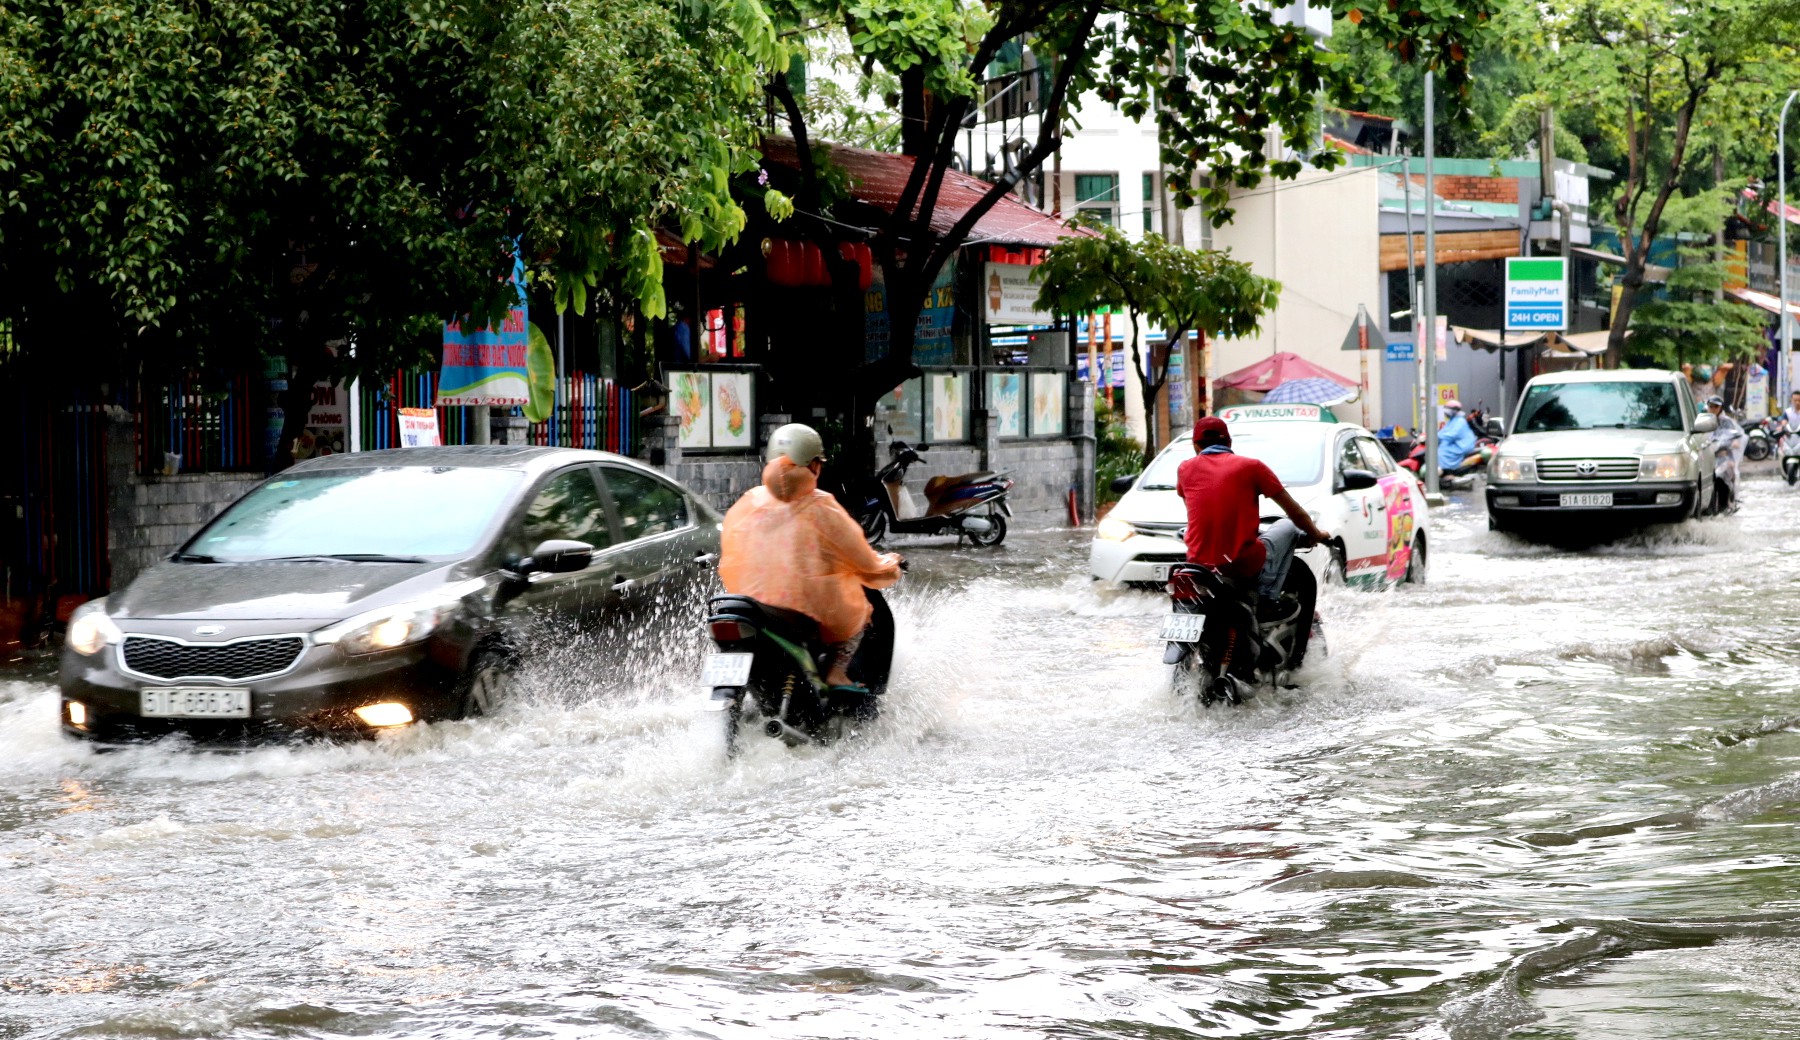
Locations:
column 1623, row 443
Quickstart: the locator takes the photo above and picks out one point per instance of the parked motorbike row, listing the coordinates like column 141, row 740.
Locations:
column 1772, row 436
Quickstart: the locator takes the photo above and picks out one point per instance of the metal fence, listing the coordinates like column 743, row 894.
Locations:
column 201, row 424
column 54, row 489
column 380, row 404
column 591, row 412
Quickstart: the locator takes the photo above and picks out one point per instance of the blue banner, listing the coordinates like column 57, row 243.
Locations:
column 487, row 366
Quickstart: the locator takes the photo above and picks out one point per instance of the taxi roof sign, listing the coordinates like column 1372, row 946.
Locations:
column 1240, row 413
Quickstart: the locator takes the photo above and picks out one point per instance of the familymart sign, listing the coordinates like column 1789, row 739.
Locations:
column 1537, row 294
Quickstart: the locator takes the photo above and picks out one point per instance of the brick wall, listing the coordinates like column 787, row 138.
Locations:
column 1463, row 188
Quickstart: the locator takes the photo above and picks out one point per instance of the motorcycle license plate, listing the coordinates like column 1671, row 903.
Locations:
column 726, row 670
column 1578, row 501
column 1183, row 628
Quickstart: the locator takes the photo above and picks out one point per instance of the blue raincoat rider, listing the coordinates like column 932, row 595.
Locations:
column 1456, row 439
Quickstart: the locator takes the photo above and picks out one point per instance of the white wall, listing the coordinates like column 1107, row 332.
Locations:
column 1320, row 237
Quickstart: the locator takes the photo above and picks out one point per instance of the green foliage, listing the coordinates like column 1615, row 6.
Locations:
column 1688, row 323
column 1179, row 290
column 1116, row 452
column 212, row 180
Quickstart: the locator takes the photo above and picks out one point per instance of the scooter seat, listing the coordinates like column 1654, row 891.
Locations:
column 791, row 624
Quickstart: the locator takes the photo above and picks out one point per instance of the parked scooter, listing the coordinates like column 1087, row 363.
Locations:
column 769, row 673
column 1220, row 652
column 972, row 505
column 1761, row 437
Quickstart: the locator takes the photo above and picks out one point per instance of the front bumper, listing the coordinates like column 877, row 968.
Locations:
column 316, row 696
column 1650, row 496
column 1137, row 560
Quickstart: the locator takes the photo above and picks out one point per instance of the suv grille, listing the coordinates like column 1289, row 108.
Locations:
column 244, row 659
column 1587, row 469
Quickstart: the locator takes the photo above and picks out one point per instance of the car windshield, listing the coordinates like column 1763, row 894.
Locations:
column 398, row 513
column 1590, row 406
column 1295, row 451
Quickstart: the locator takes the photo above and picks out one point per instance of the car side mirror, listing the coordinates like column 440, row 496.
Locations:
column 1705, row 423
column 557, row 556
column 1357, row 480
column 1496, row 429
column 1120, row 485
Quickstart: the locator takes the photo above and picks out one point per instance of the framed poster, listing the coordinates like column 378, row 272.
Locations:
column 1047, row 400
column 900, row 414
column 1006, row 398
column 949, row 401
column 691, row 399
column 733, row 406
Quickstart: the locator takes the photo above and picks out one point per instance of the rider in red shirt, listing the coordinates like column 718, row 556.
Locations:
column 1221, row 491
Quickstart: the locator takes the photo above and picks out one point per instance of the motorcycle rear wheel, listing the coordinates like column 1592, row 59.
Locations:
column 874, row 526
column 1757, row 449
column 993, row 536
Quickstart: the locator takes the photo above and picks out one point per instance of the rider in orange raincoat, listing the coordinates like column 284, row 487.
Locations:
column 787, row 544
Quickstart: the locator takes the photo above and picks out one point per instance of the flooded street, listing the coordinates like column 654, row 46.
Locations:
column 1551, row 794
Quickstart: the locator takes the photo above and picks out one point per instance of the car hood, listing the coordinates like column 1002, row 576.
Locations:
column 271, row 591
column 1570, row 443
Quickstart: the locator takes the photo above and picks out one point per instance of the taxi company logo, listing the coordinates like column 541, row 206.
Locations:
column 1587, row 467
column 209, row 630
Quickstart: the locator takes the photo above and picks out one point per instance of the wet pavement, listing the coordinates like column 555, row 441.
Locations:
column 1550, row 794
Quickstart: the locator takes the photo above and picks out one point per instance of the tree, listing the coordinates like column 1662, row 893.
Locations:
column 1181, row 290
column 1689, row 323
column 1652, row 76
column 1224, row 80
column 196, row 184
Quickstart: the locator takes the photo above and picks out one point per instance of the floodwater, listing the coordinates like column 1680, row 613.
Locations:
column 1552, row 794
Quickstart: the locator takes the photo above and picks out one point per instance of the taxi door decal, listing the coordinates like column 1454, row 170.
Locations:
column 1400, row 520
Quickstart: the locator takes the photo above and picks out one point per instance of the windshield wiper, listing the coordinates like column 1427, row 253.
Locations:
column 342, row 558
column 188, row 557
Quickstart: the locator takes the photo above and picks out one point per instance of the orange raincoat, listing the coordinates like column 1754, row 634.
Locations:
column 788, row 544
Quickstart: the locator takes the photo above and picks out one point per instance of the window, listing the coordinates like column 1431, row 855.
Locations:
column 646, row 505
column 1098, row 194
column 568, row 507
column 1589, row 406
column 1375, row 458
column 1149, row 202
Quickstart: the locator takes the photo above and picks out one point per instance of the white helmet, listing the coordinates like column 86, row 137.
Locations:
column 798, row 442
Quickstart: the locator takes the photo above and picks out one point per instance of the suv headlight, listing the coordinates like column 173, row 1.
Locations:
column 90, row 630
column 386, row 629
column 1660, row 467
column 1513, row 467
column 1114, row 529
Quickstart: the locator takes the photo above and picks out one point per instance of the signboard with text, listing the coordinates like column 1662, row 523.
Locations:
column 1009, row 296
column 1537, row 294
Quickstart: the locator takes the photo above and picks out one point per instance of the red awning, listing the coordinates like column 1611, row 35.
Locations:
column 880, row 177
column 1790, row 213
column 1276, row 369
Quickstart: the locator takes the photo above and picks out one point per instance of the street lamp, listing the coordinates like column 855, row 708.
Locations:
column 1787, row 345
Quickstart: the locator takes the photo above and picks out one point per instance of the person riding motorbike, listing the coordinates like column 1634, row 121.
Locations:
column 1727, row 444
column 1790, row 416
column 1221, row 491
column 788, row 544
column 1456, row 439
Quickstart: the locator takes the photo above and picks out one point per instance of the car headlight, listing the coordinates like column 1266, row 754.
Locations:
column 1114, row 530
column 90, row 630
column 386, row 629
column 1512, row 467
column 1660, row 467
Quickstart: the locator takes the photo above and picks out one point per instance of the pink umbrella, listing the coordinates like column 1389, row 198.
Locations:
column 1276, row 369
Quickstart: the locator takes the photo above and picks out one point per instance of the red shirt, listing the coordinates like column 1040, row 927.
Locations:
column 1221, row 492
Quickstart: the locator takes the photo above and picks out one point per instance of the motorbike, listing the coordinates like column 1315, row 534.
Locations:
column 1462, row 477
column 1789, row 447
column 1219, row 649
column 972, row 505
column 1762, row 436
column 768, row 673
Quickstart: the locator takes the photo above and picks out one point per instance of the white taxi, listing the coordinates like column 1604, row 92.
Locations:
column 1338, row 472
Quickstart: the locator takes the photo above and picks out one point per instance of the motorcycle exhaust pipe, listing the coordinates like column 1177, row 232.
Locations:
column 976, row 524
column 786, row 733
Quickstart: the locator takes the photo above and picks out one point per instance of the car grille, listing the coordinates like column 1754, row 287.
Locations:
column 1160, row 529
column 1587, row 469
column 244, row 659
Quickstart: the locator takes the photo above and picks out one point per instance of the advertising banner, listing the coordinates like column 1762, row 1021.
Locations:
column 487, row 366
column 419, row 428
column 1010, row 296
column 1537, row 294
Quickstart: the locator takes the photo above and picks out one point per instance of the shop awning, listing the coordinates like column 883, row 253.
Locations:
column 1652, row 272
column 1788, row 212
column 880, row 177
column 1589, row 343
column 1766, row 301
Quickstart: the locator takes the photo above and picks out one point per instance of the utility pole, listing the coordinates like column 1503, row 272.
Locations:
column 1782, row 380
column 1430, row 416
